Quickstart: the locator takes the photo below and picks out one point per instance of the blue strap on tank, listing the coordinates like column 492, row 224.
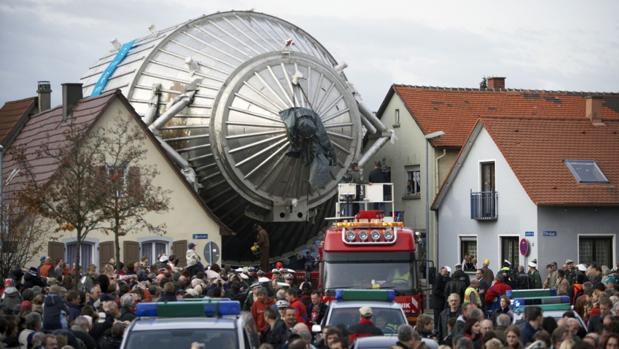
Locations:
column 111, row 68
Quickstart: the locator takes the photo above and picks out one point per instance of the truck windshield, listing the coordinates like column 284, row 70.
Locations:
column 394, row 275
column 181, row 338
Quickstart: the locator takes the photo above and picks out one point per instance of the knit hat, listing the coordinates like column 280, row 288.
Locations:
column 191, row 245
column 25, row 306
column 486, row 262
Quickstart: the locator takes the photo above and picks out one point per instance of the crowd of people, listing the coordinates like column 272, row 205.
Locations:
column 474, row 311
column 54, row 306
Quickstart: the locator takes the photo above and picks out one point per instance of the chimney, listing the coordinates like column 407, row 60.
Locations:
column 496, row 82
column 44, row 90
column 593, row 108
column 71, row 94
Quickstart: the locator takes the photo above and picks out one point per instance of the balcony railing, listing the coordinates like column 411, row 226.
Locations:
column 485, row 205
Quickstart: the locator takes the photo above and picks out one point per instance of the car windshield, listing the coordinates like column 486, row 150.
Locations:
column 387, row 319
column 173, row 339
column 360, row 275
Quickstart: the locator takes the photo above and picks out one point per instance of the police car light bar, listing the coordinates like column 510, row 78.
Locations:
column 546, row 307
column 541, row 300
column 531, row 293
column 203, row 308
column 364, row 295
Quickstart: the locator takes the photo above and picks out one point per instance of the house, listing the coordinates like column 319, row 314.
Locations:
column 420, row 114
column 533, row 188
column 14, row 114
column 187, row 220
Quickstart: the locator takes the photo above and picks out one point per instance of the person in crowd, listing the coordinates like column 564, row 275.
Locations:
column 483, row 284
column 533, row 322
column 409, row 338
column 551, row 275
column 276, row 332
column 459, row 282
column 438, row 293
column 521, row 280
column 290, row 317
column 292, row 296
column 536, row 279
column 498, row 288
column 471, row 294
column 595, row 322
column 262, row 303
column 365, row 327
column 316, row 309
column 425, row 327
column 485, row 326
column 512, row 338
column 81, row 328
column 451, row 312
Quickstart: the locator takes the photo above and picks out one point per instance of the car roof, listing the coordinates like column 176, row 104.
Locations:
column 359, row 304
column 157, row 324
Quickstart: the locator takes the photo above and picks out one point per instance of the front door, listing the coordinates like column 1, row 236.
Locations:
column 487, row 188
column 509, row 249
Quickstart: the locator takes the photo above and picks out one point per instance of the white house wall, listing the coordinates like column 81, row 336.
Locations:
column 409, row 149
column 517, row 214
column 185, row 216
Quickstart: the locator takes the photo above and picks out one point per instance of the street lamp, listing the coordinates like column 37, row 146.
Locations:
column 429, row 137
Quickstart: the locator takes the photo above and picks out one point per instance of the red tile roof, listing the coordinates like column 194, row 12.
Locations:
column 537, row 148
column 455, row 110
column 13, row 115
column 48, row 128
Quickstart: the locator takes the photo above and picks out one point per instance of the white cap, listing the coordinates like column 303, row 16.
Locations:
column 244, row 276
column 365, row 311
column 263, row 279
column 238, row 270
column 581, row 267
column 448, row 268
column 532, row 265
column 163, row 259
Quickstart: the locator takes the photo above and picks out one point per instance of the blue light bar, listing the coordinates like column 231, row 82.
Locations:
column 204, row 308
column 364, row 295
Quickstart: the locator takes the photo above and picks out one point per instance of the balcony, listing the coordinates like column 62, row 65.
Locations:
column 485, row 205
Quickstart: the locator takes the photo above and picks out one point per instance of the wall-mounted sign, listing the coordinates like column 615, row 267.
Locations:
column 200, row 236
column 524, row 247
column 550, row 233
column 529, row 233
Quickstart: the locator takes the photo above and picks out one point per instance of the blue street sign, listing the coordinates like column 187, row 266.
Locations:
column 529, row 233
column 550, row 233
column 200, row 236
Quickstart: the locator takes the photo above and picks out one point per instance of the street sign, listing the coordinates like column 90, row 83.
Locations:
column 550, row 233
column 524, row 247
column 200, row 236
column 529, row 233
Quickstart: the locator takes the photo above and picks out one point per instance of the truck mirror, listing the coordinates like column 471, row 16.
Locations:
column 432, row 276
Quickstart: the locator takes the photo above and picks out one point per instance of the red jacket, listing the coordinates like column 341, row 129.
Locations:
column 495, row 291
column 365, row 328
column 301, row 311
column 257, row 311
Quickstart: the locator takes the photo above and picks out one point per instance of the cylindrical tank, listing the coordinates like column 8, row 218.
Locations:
column 247, row 68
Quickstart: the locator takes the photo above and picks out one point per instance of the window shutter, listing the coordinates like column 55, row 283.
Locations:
column 106, row 251
column 55, row 250
column 131, row 251
column 179, row 249
column 134, row 186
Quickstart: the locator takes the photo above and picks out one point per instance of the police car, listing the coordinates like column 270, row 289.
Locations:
column 386, row 314
column 211, row 323
column 551, row 304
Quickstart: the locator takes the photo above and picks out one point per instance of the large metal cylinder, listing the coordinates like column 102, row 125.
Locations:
column 247, row 67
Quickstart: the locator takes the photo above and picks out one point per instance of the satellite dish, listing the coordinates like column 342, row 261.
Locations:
column 211, row 253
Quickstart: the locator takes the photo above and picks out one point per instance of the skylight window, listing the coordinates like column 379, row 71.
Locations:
column 586, row 171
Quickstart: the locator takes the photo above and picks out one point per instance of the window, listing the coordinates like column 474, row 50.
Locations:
column 413, row 182
column 396, row 118
column 468, row 247
column 153, row 249
column 586, row 171
column 86, row 253
column 509, row 249
column 596, row 249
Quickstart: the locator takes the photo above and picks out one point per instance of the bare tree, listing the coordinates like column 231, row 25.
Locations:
column 73, row 197
column 20, row 241
column 131, row 193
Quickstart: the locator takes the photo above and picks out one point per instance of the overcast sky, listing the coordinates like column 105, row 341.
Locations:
column 555, row 45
